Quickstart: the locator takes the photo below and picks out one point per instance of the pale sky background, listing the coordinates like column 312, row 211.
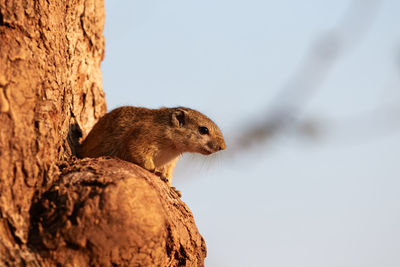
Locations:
column 333, row 201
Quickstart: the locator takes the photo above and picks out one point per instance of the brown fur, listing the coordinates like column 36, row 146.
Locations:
column 152, row 138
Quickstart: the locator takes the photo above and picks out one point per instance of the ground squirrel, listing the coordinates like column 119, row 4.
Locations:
column 153, row 138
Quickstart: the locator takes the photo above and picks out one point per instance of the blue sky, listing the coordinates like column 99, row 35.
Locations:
column 330, row 201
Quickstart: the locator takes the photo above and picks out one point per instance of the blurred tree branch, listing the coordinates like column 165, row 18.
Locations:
column 283, row 113
column 380, row 121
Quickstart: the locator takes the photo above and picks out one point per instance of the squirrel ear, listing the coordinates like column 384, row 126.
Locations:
column 178, row 118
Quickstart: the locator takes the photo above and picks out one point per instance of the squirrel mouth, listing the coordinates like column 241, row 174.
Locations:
column 205, row 151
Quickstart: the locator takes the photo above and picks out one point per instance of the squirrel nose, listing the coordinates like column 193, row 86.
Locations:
column 216, row 146
column 222, row 146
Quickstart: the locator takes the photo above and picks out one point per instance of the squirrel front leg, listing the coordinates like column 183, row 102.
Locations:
column 166, row 174
column 148, row 163
column 168, row 169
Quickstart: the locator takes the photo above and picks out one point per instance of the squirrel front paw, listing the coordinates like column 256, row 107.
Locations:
column 176, row 191
column 163, row 178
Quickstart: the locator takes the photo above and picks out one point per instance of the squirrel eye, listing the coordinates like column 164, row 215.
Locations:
column 203, row 130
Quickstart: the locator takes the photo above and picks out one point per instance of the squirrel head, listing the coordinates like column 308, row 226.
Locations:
column 194, row 132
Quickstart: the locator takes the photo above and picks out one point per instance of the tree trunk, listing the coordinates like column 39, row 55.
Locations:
column 54, row 210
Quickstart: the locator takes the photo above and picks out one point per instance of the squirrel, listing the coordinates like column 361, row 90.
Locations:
column 152, row 138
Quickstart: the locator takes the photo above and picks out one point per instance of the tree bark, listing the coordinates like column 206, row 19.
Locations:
column 50, row 96
column 109, row 212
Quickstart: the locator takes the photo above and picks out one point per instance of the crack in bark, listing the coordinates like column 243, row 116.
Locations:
column 12, row 230
column 85, row 34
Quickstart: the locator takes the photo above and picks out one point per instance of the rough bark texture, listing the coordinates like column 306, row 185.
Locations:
column 93, row 211
column 110, row 212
